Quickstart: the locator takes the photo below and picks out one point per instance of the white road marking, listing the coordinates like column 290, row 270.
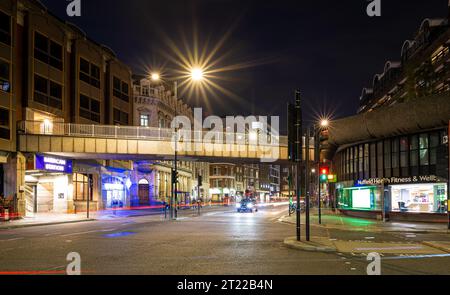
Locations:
column 389, row 248
column 369, row 238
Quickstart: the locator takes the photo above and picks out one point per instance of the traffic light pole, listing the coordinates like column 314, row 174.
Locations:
column 319, row 184
column 298, row 157
column 307, row 183
column 175, row 185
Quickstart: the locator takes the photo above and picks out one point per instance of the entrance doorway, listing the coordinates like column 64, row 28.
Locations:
column 143, row 192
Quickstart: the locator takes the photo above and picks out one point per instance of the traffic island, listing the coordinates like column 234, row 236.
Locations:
column 316, row 244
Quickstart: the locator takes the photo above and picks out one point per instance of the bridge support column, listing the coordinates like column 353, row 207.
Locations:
column 15, row 182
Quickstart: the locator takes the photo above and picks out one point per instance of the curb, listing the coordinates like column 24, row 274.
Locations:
column 44, row 224
column 432, row 245
column 294, row 244
column 375, row 230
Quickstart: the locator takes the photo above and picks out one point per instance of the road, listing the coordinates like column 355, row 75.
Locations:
column 220, row 241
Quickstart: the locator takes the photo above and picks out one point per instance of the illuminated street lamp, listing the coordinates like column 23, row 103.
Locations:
column 196, row 75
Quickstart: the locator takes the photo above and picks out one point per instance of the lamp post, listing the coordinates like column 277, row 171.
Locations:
column 323, row 124
column 196, row 75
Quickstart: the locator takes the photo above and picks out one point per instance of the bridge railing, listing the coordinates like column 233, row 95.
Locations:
column 131, row 132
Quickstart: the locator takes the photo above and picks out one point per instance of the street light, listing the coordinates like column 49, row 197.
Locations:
column 155, row 77
column 324, row 123
column 196, row 75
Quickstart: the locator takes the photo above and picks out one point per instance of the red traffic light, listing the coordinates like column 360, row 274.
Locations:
column 324, row 171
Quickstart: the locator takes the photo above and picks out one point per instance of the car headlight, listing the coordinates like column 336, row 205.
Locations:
column 249, row 205
column 238, row 205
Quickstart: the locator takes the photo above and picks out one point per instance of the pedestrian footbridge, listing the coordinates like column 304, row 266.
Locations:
column 82, row 141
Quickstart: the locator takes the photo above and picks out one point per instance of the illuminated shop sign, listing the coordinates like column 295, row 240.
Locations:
column 399, row 180
column 53, row 164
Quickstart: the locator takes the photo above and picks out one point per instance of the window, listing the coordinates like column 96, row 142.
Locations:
column 47, row 92
column 48, row 51
column 89, row 73
column 387, row 158
column 434, row 144
column 380, row 159
column 395, row 157
column 423, row 143
column 120, row 89
column 366, row 161
column 216, row 171
column 4, row 124
column 361, row 161
column 414, row 154
column 89, row 108
column 5, row 84
column 120, row 117
column 5, row 28
column 145, row 120
column 404, row 157
column 81, row 187
column 373, row 160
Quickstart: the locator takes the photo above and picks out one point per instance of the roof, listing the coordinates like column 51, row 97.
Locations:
column 416, row 115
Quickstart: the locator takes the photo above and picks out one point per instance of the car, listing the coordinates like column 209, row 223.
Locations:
column 246, row 205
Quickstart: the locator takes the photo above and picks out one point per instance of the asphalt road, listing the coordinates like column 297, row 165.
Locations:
column 221, row 241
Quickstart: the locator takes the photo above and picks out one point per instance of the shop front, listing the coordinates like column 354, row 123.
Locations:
column 421, row 198
column 48, row 185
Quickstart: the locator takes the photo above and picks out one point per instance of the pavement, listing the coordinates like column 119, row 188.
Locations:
column 332, row 221
column 219, row 242
column 44, row 219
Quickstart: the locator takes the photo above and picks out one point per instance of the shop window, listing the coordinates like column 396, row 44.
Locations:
column 47, row 92
column 89, row 73
column 4, row 124
column 81, row 187
column 419, row 198
column 434, row 144
column 48, row 51
column 5, row 82
column 5, row 28
column 89, row 108
column 120, row 89
column 395, row 157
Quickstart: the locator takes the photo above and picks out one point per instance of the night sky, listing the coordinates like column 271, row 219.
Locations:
column 328, row 49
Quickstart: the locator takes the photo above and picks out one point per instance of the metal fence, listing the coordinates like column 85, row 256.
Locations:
column 134, row 132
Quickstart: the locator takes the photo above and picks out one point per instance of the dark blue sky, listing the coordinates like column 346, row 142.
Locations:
column 328, row 49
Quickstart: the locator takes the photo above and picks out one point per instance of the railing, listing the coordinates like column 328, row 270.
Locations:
column 133, row 132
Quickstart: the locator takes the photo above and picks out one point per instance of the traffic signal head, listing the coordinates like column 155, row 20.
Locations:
column 174, row 176
column 324, row 171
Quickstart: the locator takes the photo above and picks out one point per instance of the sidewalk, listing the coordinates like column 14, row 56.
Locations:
column 330, row 220
column 333, row 220
column 42, row 219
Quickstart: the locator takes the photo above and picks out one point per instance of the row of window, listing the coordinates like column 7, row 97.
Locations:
column 396, row 157
column 48, row 51
column 47, row 92
column 120, row 89
column 120, row 117
column 5, row 29
column 5, row 82
column 89, row 73
column 4, row 124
